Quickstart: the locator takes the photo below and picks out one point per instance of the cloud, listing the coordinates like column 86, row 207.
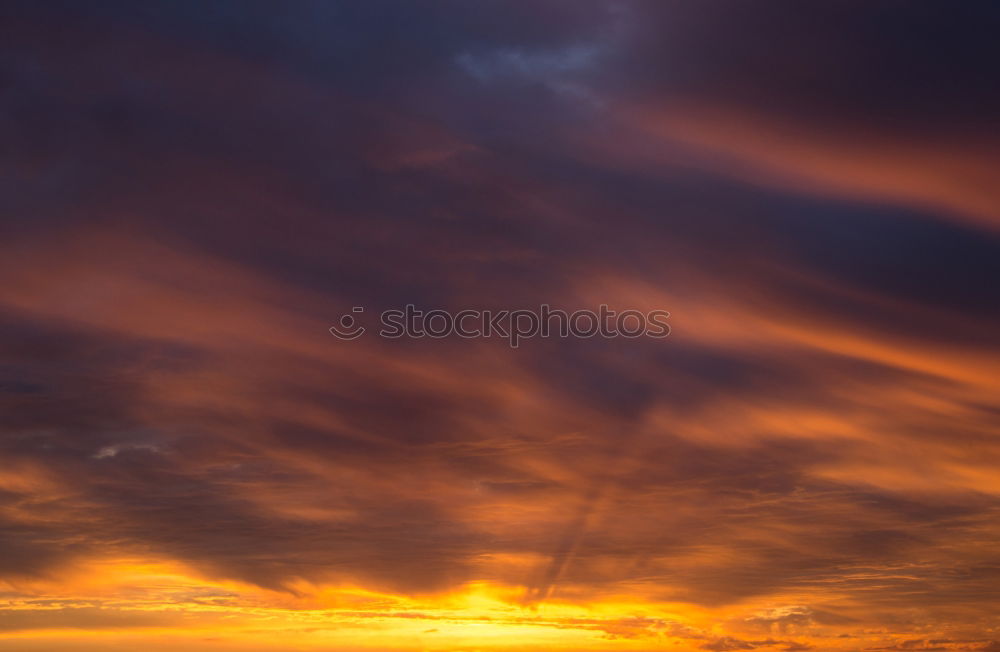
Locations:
column 196, row 196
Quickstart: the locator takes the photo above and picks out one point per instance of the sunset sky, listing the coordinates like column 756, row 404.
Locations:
column 194, row 191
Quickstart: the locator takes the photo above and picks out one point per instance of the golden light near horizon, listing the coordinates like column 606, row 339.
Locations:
column 122, row 603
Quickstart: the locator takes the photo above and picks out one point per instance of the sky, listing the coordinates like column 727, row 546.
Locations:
column 194, row 192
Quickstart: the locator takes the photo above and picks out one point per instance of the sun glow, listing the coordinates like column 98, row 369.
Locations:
column 160, row 604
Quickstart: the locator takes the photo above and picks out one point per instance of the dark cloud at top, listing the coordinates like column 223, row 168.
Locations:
column 924, row 65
